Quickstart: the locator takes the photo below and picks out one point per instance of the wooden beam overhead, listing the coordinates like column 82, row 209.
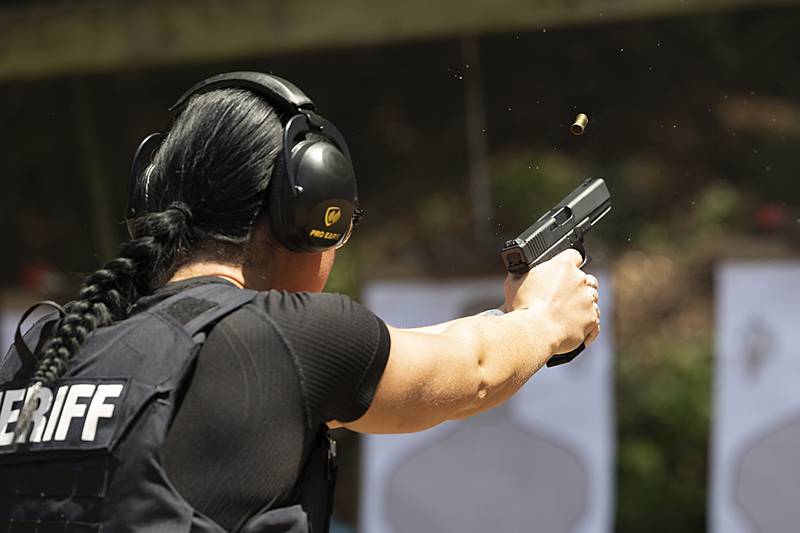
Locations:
column 61, row 38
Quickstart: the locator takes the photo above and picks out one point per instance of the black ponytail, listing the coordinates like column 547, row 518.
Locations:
column 209, row 179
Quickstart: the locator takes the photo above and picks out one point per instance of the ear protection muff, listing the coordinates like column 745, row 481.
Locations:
column 139, row 183
column 311, row 198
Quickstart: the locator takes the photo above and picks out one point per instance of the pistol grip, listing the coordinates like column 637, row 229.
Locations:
column 562, row 358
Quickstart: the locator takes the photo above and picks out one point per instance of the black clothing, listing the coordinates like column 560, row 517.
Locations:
column 250, row 410
column 267, row 377
column 91, row 460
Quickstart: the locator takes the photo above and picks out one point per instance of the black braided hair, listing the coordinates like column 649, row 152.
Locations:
column 208, row 183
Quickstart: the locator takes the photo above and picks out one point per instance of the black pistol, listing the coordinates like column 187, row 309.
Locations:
column 559, row 229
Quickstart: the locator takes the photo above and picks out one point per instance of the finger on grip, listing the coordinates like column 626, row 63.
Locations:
column 571, row 256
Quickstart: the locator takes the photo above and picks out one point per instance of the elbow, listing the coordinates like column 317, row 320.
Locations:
column 486, row 386
column 473, row 379
column 498, row 375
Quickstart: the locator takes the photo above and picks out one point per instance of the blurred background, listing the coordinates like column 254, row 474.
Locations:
column 457, row 114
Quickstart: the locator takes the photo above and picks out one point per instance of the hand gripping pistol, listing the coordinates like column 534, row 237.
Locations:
column 561, row 228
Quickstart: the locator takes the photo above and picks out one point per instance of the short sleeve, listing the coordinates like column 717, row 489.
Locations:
column 340, row 349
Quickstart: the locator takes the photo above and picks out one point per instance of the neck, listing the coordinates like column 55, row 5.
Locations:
column 267, row 267
column 232, row 273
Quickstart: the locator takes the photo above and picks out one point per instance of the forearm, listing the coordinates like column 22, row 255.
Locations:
column 436, row 329
column 474, row 364
column 508, row 350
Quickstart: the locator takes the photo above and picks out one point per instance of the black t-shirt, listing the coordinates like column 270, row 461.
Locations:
column 267, row 377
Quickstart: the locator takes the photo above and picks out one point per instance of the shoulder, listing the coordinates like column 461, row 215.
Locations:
column 332, row 306
column 339, row 348
column 314, row 321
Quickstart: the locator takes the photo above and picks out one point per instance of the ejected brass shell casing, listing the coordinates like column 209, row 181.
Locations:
column 581, row 121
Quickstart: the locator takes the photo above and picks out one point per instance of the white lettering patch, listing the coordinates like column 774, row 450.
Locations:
column 73, row 412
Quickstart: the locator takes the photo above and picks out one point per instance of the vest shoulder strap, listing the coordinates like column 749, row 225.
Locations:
column 199, row 308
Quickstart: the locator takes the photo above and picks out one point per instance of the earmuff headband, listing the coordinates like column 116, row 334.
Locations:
column 282, row 93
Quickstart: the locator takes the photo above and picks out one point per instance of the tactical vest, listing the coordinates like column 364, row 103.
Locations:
column 91, row 461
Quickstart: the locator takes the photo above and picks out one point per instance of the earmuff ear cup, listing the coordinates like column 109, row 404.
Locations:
column 279, row 199
column 320, row 215
column 139, row 179
column 140, row 174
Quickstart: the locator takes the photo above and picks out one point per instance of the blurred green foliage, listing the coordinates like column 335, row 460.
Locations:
column 663, row 421
column 344, row 278
column 529, row 182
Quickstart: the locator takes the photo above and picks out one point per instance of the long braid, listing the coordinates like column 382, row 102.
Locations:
column 108, row 294
column 210, row 174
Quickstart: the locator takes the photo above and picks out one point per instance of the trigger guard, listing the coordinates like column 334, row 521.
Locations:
column 581, row 249
column 586, row 258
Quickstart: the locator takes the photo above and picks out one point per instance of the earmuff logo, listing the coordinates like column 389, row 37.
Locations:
column 332, row 216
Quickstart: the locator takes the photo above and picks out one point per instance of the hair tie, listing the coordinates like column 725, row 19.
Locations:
column 184, row 209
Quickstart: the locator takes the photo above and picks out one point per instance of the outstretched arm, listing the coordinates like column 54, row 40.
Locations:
column 469, row 365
